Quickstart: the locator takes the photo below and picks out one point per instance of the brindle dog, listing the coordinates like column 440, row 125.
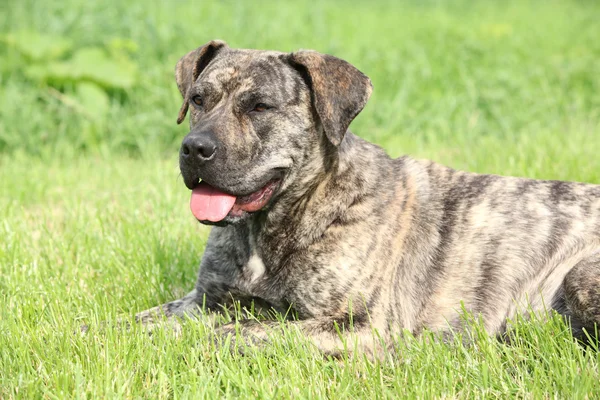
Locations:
column 311, row 218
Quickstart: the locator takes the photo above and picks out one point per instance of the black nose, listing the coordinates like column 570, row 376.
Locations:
column 198, row 147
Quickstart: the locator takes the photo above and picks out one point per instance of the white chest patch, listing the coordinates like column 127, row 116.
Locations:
column 256, row 267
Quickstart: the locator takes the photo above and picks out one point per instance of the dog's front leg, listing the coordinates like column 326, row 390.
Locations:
column 171, row 313
column 332, row 337
column 214, row 290
column 188, row 306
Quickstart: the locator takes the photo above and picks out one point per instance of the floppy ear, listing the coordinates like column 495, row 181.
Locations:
column 189, row 68
column 340, row 91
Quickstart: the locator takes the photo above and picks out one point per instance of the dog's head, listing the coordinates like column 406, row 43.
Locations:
column 255, row 118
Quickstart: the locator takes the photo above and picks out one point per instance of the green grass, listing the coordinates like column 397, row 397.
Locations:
column 94, row 223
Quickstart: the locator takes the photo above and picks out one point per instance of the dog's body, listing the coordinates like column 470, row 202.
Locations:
column 347, row 234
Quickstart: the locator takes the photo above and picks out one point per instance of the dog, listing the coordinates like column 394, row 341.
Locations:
column 312, row 219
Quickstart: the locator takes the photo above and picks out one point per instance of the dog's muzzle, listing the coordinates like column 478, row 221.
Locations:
column 198, row 148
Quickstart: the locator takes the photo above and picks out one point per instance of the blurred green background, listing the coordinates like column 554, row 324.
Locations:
column 94, row 220
column 98, row 76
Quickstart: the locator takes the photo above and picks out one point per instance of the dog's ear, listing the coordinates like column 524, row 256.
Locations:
column 190, row 66
column 340, row 91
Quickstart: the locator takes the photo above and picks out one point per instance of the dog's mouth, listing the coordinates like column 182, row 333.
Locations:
column 211, row 204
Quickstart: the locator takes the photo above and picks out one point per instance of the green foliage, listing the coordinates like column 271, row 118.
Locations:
column 91, row 71
column 87, row 64
column 38, row 47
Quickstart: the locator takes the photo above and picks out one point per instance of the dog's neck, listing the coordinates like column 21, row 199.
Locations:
column 324, row 189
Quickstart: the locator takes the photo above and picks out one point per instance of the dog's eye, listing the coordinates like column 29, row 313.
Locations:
column 260, row 107
column 197, row 100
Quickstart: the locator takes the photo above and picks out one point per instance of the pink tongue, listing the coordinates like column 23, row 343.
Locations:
column 209, row 204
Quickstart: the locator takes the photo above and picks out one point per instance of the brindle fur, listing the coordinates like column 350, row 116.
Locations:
column 353, row 235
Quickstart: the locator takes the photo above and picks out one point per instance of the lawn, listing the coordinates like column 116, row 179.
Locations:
column 94, row 218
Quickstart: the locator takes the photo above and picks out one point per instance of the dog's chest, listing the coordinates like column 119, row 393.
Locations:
column 255, row 267
column 258, row 283
column 286, row 277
